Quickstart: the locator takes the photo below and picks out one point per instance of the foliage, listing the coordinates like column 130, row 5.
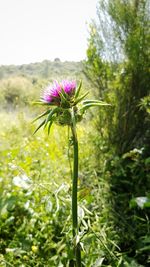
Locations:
column 129, row 187
column 118, row 65
column 35, row 195
column 122, row 29
column 43, row 70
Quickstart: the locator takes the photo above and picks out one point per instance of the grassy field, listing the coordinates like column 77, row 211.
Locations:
column 36, row 191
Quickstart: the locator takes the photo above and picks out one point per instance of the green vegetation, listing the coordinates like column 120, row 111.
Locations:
column 46, row 69
column 114, row 171
column 36, row 229
column 118, row 64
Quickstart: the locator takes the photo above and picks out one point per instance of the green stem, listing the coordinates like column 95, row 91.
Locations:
column 74, row 187
column 77, row 247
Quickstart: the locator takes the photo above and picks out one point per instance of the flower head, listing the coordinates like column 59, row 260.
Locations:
column 68, row 86
column 52, row 94
column 65, row 105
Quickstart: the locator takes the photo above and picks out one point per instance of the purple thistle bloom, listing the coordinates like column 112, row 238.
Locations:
column 68, row 86
column 52, row 93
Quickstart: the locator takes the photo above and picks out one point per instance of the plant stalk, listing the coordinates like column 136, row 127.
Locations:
column 77, row 247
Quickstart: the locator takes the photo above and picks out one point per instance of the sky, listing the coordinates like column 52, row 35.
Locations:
column 35, row 30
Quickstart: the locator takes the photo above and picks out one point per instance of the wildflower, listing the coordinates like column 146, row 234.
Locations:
column 65, row 106
column 52, row 94
column 63, row 101
column 68, row 86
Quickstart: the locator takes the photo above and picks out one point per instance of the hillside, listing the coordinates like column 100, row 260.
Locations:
column 21, row 84
column 45, row 69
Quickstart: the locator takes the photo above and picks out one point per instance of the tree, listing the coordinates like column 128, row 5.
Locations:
column 118, row 62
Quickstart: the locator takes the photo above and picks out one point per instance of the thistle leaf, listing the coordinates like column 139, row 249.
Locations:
column 63, row 92
column 78, row 90
column 49, row 117
column 80, row 99
column 88, row 101
column 97, row 103
column 63, row 97
column 42, row 115
column 43, row 122
column 93, row 105
column 49, row 126
column 43, row 103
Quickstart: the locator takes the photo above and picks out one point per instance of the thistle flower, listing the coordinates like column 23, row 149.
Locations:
column 52, row 94
column 68, row 86
column 63, row 98
column 66, row 107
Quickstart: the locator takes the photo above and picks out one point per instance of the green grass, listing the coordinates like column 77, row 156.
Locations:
column 47, row 202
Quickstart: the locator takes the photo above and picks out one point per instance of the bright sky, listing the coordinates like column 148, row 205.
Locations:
column 34, row 30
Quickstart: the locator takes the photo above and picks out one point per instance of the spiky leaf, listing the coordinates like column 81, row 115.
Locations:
column 49, row 126
column 93, row 105
column 78, row 90
column 80, row 98
column 42, row 123
column 49, row 117
column 42, row 115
